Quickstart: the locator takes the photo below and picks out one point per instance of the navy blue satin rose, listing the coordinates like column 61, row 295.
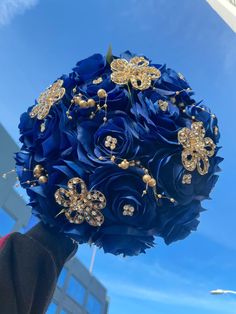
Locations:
column 90, row 68
column 57, row 140
column 178, row 222
column 112, row 148
column 167, row 168
column 157, row 126
column 125, row 188
column 120, row 126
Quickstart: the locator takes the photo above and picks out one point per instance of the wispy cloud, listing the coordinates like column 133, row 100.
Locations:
column 175, row 298
column 10, row 8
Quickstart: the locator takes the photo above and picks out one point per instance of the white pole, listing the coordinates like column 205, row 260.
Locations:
column 220, row 291
column 92, row 259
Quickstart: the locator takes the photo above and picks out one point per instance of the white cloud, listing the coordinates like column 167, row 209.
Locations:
column 10, row 8
column 202, row 301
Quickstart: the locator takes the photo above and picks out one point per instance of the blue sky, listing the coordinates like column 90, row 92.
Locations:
column 39, row 40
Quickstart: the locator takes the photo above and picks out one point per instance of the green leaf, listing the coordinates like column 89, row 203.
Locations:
column 109, row 56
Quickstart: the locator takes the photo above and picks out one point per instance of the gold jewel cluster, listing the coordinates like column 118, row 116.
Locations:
column 163, row 104
column 187, row 178
column 136, row 71
column 47, row 99
column 196, row 148
column 110, row 142
column 81, row 205
column 128, row 210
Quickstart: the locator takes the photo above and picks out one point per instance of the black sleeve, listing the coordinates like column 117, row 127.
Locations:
column 29, row 268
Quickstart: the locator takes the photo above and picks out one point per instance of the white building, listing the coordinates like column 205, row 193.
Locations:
column 227, row 10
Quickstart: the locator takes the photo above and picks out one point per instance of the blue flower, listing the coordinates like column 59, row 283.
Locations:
column 167, row 168
column 157, row 126
column 92, row 134
column 90, row 68
column 57, row 140
column 125, row 188
column 178, row 222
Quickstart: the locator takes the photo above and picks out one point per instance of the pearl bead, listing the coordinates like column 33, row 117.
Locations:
column 43, row 179
column 152, row 183
column 124, row 164
column 102, row 93
column 91, row 102
column 146, row 178
column 77, row 99
column 82, row 103
column 37, row 170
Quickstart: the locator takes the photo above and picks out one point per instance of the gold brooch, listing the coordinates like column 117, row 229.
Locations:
column 47, row 99
column 136, row 71
column 196, row 148
column 81, row 204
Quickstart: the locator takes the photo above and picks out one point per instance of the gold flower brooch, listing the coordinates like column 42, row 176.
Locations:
column 196, row 148
column 136, row 71
column 80, row 204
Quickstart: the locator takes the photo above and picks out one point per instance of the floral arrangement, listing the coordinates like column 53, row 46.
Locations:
column 117, row 153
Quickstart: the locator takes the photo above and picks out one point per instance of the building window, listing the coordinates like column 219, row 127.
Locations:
column 93, row 305
column 76, row 290
column 7, row 222
column 52, row 309
column 62, row 277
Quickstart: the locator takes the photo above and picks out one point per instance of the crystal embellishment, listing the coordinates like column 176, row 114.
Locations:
column 136, row 71
column 128, row 210
column 196, row 148
column 80, row 204
column 187, row 178
column 47, row 99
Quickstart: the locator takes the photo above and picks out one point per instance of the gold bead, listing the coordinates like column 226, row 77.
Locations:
column 144, row 192
column 105, row 106
column 113, row 158
column 124, row 164
column 38, row 169
column 177, row 93
column 43, row 179
column 74, row 89
column 172, row 200
column 82, row 103
column 152, row 182
column 28, row 181
column 91, row 102
column 101, row 158
column 76, row 99
column 102, row 93
column 159, row 195
column 146, row 178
